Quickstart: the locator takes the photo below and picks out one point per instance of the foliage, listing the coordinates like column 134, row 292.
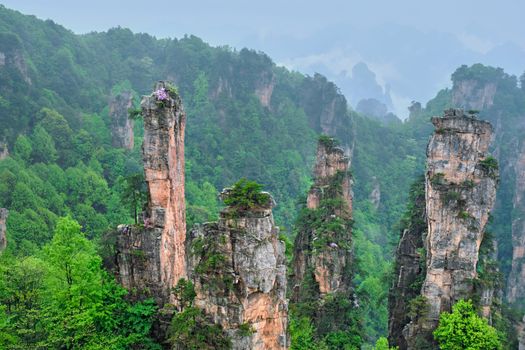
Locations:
column 464, row 329
column 189, row 328
column 245, row 195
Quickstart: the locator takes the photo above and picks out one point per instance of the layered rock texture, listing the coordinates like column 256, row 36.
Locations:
column 238, row 269
column 152, row 258
column 473, row 94
column 516, row 280
column 409, row 266
column 460, row 188
column 322, row 245
column 4, row 151
column 121, row 125
column 3, row 228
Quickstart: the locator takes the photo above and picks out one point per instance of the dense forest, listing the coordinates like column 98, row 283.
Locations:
column 67, row 187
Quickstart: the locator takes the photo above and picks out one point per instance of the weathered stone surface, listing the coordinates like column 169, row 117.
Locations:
column 121, row 125
column 4, row 152
column 460, row 192
column 3, row 228
column 153, row 258
column 238, row 268
column 328, row 115
column 330, row 262
column 264, row 88
column 473, row 94
column 516, row 280
column 409, row 267
column 375, row 195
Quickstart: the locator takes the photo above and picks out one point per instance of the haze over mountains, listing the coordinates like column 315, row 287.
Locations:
column 410, row 46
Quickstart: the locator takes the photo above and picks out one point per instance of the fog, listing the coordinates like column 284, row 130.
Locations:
column 411, row 46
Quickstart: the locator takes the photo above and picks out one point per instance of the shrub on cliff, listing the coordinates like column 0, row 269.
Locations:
column 464, row 329
column 246, row 194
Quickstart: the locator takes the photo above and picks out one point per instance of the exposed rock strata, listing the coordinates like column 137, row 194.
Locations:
column 153, row 257
column 327, row 111
column 121, row 125
column 516, row 280
column 460, row 192
column 473, row 94
column 238, row 268
column 3, row 228
column 409, row 266
column 323, row 253
column 4, row 151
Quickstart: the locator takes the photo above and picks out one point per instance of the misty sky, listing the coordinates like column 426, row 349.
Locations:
column 411, row 45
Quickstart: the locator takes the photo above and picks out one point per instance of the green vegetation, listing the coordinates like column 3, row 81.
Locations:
column 464, row 329
column 61, row 298
column 56, row 123
column 189, row 329
column 245, row 195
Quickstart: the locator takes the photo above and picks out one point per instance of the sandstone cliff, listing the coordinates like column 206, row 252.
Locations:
column 460, row 187
column 409, row 268
column 322, row 266
column 3, row 229
column 473, row 94
column 121, row 125
column 238, row 269
column 152, row 257
column 4, row 151
column 323, row 249
column 327, row 111
column 516, row 280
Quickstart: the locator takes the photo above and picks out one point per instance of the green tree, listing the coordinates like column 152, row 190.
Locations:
column 134, row 193
column 23, row 148
column 44, row 150
column 463, row 329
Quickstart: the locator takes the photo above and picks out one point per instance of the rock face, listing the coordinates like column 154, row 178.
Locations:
column 4, row 152
column 153, row 257
column 3, row 228
column 264, row 88
column 327, row 111
column 516, row 280
column 323, row 253
column 473, row 94
column 238, row 269
column 460, row 187
column 121, row 125
column 409, row 266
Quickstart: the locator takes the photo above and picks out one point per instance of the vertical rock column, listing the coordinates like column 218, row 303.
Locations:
column 151, row 258
column 163, row 156
column 238, row 269
column 516, row 280
column 121, row 125
column 460, row 191
column 408, row 267
column 3, row 228
column 317, row 251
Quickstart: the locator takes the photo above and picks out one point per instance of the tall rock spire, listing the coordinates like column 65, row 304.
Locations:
column 152, row 257
column 238, row 268
column 460, row 186
column 121, row 125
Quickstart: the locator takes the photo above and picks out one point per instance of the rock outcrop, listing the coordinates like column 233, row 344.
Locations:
column 324, row 251
column 3, row 228
column 121, row 125
column 238, row 269
column 4, row 151
column 516, row 280
column 409, row 266
column 12, row 55
column 473, row 94
column 152, row 257
column 460, row 187
column 327, row 111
